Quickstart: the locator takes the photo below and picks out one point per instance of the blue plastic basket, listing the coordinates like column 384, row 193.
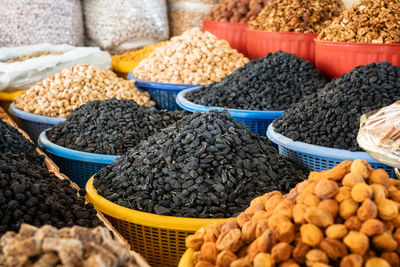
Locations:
column 33, row 124
column 318, row 158
column 257, row 121
column 164, row 94
column 78, row 166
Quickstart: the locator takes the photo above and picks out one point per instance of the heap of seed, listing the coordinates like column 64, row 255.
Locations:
column 31, row 194
column 110, row 127
column 11, row 140
column 332, row 118
column 270, row 83
column 206, row 165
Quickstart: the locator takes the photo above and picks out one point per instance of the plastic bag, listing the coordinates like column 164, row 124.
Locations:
column 188, row 14
column 28, row 22
column 20, row 75
column 125, row 24
column 379, row 134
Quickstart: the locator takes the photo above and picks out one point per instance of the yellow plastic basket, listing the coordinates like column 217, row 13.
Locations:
column 6, row 98
column 187, row 259
column 159, row 239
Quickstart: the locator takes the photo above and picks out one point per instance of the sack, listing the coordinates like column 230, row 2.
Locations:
column 184, row 15
column 125, row 24
column 20, row 75
column 27, row 22
column 379, row 135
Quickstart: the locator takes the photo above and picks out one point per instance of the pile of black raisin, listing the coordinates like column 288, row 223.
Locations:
column 110, row 127
column 11, row 140
column 332, row 118
column 273, row 82
column 207, row 165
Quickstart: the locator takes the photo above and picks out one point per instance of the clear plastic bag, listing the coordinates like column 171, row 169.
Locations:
column 20, row 75
column 28, row 22
column 379, row 134
column 125, row 24
column 184, row 15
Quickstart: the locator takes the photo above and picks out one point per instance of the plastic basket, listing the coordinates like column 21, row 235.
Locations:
column 164, row 94
column 6, row 98
column 33, row 124
column 159, row 239
column 187, row 259
column 257, row 121
column 234, row 33
column 77, row 165
column 336, row 58
column 318, row 158
column 260, row 43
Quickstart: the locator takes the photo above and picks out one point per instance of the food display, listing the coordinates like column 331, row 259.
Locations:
column 236, row 11
column 204, row 166
column 297, row 16
column 191, row 58
column 274, row 82
column 332, row 117
column 345, row 216
column 74, row 246
column 110, row 127
column 58, row 94
column 366, row 22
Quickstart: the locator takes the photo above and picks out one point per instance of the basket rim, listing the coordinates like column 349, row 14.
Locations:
column 158, row 85
column 33, row 117
column 72, row 154
column 236, row 113
column 328, row 152
column 310, row 34
column 187, row 258
column 144, row 218
column 215, row 22
column 10, row 96
column 323, row 42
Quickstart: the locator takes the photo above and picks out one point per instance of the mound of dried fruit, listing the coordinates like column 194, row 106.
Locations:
column 346, row 216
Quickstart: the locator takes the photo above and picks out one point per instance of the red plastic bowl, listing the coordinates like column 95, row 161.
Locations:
column 234, row 33
column 336, row 58
column 260, row 43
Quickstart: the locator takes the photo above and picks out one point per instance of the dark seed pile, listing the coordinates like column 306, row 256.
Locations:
column 110, row 127
column 273, row 82
column 332, row 118
column 31, row 194
column 206, row 165
column 11, row 140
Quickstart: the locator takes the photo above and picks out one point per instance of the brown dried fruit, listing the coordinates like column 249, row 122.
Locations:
column 376, row 262
column 388, row 209
column 263, row 260
column 352, row 260
column 249, row 231
column 266, row 241
column 231, row 240
column 299, row 211
column 209, row 252
column 379, row 191
column 368, row 210
column 353, row 223
column 351, row 179
column 333, row 248
column 311, row 200
column 343, row 194
column 204, row 264
column 225, row 258
column 289, row 263
column 326, row 189
column 336, row 231
column 286, row 232
column 348, row 208
column 318, row 217
column 379, row 176
column 361, row 167
column 330, row 205
column 242, row 262
column 196, row 240
column 311, row 235
column 261, row 226
column 316, row 256
column 372, row 227
column 392, row 258
column 337, row 172
column 357, row 242
column 361, row 192
column 299, row 252
column 384, row 242
column 281, row 252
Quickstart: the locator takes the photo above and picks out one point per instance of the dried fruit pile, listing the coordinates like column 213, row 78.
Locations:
column 205, row 165
column 58, row 94
column 110, row 127
column 332, row 118
column 297, row 16
column 370, row 21
column 76, row 246
column 191, row 58
column 236, row 11
column 270, row 83
column 29, row 193
column 347, row 216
